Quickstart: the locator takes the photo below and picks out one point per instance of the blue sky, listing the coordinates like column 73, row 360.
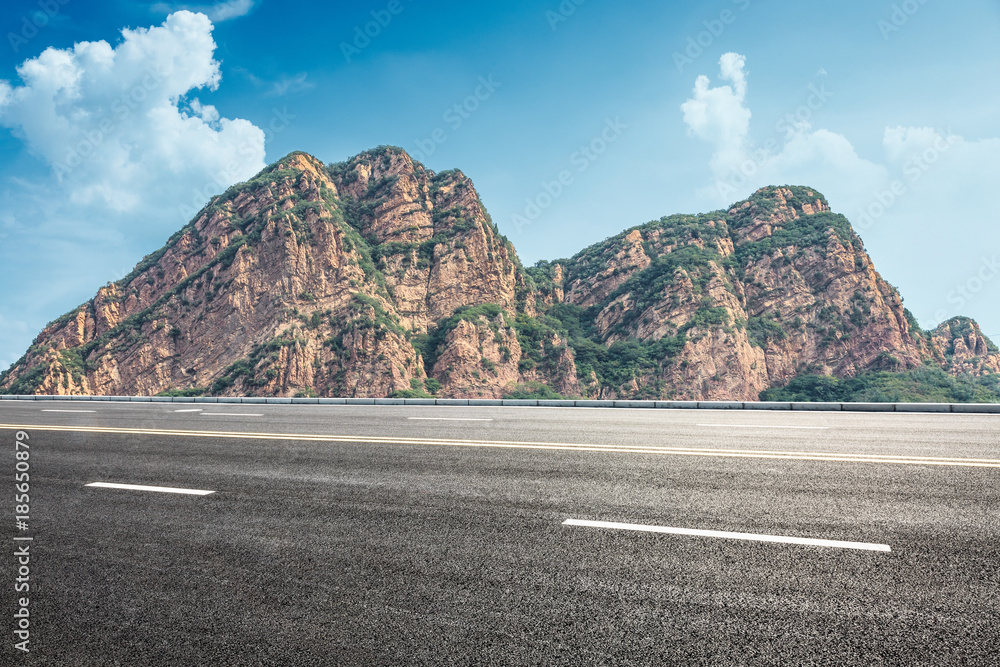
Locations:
column 889, row 108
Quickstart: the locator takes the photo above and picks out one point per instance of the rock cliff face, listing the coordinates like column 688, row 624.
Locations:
column 306, row 280
column 376, row 276
column 777, row 286
column 733, row 302
column 965, row 349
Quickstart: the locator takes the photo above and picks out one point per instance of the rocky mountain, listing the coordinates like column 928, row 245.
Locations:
column 965, row 349
column 377, row 277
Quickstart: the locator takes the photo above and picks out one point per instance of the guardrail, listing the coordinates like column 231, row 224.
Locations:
column 966, row 408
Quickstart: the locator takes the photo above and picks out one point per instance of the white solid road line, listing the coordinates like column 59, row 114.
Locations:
column 660, row 450
column 819, row 428
column 231, row 414
column 49, row 410
column 447, row 419
column 191, row 410
column 837, row 544
column 157, row 489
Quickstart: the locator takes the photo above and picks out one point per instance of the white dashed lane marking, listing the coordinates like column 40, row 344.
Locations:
column 817, row 428
column 447, row 419
column 156, row 489
column 752, row 537
column 231, row 414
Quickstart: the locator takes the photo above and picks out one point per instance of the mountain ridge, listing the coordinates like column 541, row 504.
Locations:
column 376, row 276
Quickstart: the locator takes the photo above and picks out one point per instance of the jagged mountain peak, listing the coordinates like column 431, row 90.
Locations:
column 305, row 278
column 964, row 347
column 803, row 200
column 300, row 161
column 377, row 276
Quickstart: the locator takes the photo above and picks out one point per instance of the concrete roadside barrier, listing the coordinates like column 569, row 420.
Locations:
column 937, row 408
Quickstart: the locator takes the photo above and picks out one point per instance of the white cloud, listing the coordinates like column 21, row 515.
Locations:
column 900, row 142
column 279, row 87
column 217, row 13
column 731, row 68
column 924, row 206
column 946, row 185
column 230, row 10
column 290, row 84
column 114, row 124
column 820, row 158
column 719, row 116
column 127, row 154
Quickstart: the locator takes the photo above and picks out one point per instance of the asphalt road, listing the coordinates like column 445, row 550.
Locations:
column 435, row 535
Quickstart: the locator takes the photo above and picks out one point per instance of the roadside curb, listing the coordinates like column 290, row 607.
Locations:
column 960, row 408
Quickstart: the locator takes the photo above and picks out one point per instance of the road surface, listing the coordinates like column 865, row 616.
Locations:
column 356, row 535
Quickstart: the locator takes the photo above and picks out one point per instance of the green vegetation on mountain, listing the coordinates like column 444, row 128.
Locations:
column 960, row 327
column 26, row 383
column 429, row 344
column 532, row 391
column 376, row 276
column 763, row 203
column 256, row 370
column 920, row 385
column 806, row 232
column 612, row 366
column 183, row 393
column 689, row 250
